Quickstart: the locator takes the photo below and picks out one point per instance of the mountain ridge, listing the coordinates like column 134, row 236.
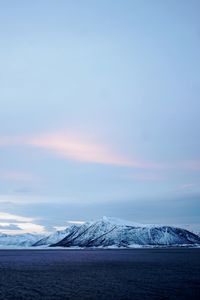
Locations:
column 107, row 232
column 104, row 233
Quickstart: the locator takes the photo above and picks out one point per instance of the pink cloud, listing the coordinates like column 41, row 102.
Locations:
column 75, row 148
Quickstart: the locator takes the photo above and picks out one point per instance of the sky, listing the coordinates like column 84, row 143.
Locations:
column 99, row 112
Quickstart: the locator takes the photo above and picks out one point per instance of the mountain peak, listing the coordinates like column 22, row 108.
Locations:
column 121, row 222
column 115, row 232
column 107, row 232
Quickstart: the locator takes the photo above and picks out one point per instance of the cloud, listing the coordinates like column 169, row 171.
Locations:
column 75, row 222
column 11, row 217
column 187, row 186
column 59, row 228
column 8, row 226
column 16, row 224
column 79, row 149
column 75, row 147
column 31, row 228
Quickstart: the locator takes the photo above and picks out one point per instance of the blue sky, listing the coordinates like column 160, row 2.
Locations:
column 99, row 112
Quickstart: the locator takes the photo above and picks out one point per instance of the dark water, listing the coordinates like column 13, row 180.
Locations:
column 100, row 274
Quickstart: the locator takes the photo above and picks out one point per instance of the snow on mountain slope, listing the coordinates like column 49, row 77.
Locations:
column 57, row 236
column 107, row 232
column 111, row 232
column 19, row 240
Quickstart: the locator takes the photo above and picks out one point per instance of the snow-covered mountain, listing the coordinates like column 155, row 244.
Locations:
column 57, row 236
column 111, row 232
column 19, row 240
column 106, row 232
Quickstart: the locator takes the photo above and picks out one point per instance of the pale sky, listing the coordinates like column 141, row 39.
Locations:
column 99, row 112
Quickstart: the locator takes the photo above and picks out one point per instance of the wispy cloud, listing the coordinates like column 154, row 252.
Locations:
column 31, row 227
column 75, row 147
column 75, row 222
column 187, row 186
column 78, row 147
column 59, row 228
column 12, row 217
column 69, row 223
column 16, row 224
